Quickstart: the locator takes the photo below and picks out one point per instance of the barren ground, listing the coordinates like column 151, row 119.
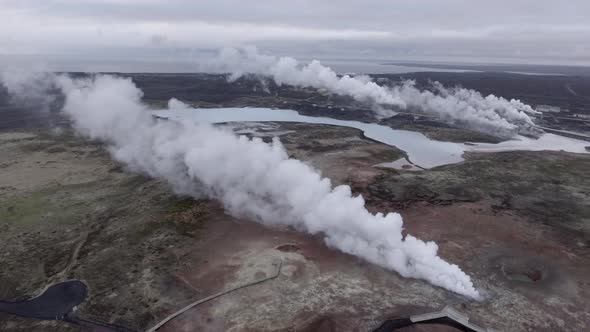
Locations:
column 516, row 222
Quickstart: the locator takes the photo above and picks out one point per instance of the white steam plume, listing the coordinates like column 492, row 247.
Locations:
column 467, row 107
column 252, row 179
column 29, row 89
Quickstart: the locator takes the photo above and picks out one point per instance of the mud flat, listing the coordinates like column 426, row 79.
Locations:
column 517, row 222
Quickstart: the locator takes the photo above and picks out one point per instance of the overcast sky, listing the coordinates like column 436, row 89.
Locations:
column 123, row 31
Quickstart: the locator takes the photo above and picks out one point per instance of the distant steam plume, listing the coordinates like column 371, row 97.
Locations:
column 252, row 179
column 463, row 106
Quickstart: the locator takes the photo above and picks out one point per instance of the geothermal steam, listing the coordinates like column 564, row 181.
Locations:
column 462, row 106
column 253, row 179
column 29, row 89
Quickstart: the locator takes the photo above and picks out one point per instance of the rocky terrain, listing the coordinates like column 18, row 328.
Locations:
column 517, row 222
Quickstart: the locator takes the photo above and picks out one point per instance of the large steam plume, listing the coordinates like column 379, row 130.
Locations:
column 463, row 106
column 253, row 179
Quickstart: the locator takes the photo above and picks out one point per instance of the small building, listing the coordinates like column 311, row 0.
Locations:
column 548, row 109
column 447, row 316
column 582, row 116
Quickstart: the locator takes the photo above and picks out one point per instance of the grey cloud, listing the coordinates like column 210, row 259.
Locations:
column 517, row 31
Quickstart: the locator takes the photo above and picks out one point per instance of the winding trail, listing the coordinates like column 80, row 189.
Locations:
column 216, row 295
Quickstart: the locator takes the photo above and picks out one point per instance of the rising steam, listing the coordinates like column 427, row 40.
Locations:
column 462, row 106
column 253, row 179
column 29, row 89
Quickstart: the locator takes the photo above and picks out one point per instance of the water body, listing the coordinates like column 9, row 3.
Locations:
column 522, row 69
column 421, row 150
column 359, row 66
column 187, row 63
column 59, row 302
column 55, row 303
